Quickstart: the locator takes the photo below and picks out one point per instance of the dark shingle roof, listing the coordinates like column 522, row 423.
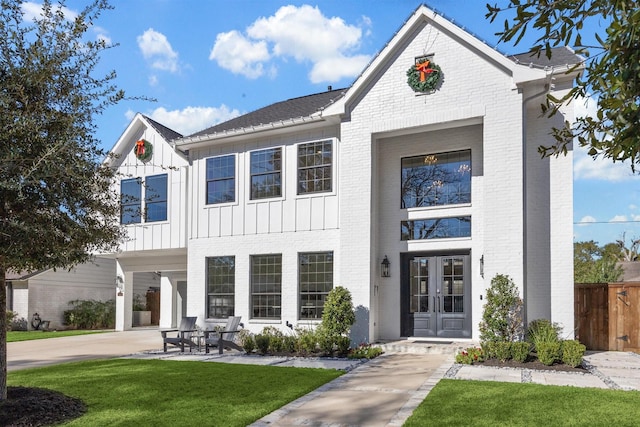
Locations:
column 559, row 56
column 303, row 106
column 167, row 134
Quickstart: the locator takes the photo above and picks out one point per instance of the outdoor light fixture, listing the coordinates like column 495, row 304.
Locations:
column 482, row 266
column 119, row 284
column 384, row 267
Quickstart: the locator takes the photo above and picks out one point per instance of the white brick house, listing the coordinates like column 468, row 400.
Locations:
column 265, row 213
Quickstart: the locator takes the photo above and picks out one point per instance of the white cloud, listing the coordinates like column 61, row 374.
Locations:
column 156, row 48
column 599, row 168
column 32, row 11
column 192, row 119
column 302, row 33
column 618, row 218
column 586, row 219
column 153, row 80
column 238, row 54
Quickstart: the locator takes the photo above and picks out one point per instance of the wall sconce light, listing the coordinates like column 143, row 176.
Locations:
column 482, row 266
column 119, row 285
column 384, row 267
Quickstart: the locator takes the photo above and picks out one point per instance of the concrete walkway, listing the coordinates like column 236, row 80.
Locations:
column 380, row 392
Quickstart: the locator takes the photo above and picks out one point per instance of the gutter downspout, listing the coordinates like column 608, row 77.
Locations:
column 524, row 193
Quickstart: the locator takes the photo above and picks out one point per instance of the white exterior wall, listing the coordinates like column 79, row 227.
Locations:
column 169, row 234
column 473, row 91
column 51, row 291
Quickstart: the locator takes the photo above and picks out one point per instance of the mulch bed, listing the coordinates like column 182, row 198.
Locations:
column 34, row 407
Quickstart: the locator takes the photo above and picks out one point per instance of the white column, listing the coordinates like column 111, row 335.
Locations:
column 124, row 298
column 168, row 296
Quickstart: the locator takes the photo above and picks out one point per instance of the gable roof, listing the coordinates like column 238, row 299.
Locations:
column 304, row 106
column 560, row 56
column 165, row 132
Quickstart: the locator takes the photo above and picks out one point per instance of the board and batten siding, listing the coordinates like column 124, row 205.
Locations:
column 289, row 213
column 172, row 233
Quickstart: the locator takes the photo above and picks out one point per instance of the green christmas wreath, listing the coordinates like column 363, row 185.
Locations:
column 143, row 150
column 424, row 76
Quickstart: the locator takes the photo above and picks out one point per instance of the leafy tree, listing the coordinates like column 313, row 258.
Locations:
column 502, row 318
column 57, row 205
column 612, row 68
column 595, row 264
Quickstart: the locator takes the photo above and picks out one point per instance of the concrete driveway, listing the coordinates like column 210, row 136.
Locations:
column 34, row 353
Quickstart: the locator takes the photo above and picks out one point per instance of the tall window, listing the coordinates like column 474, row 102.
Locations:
column 130, row 201
column 436, row 179
column 266, row 173
column 221, row 280
column 315, row 282
column 314, row 167
column 155, row 198
column 221, row 179
column 266, row 286
column 154, row 209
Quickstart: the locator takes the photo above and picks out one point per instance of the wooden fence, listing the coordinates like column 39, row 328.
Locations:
column 607, row 315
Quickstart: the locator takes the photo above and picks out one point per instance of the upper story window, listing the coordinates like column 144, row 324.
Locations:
column 266, row 173
column 130, row 201
column 155, row 198
column 154, row 209
column 436, row 179
column 221, row 179
column 315, row 167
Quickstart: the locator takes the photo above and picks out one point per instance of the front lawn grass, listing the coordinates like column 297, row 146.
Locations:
column 171, row 393
column 15, row 336
column 487, row 403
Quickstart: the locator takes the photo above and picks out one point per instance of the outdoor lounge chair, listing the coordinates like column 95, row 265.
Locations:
column 225, row 337
column 183, row 336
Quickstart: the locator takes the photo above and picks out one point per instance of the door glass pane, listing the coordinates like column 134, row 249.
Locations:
column 453, row 285
column 419, row 278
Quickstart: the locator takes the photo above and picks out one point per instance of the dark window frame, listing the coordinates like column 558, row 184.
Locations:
column 315, row 167
column 313, row 286
column 436, row 228
column 265, row 173
column 130, row 205
column 219, row 174
column 266, row 286
column 220, row 292
column 155, row 198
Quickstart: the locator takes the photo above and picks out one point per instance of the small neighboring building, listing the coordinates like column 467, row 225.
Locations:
column 412, row 195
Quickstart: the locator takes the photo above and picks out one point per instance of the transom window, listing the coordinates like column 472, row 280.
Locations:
column 436, row 179
column 314, row 167
column 221, row 179
column 266, row 173
column 266, row 286
column 315, row 281
column 221, row 280
column 436, row 228
column 132, row 210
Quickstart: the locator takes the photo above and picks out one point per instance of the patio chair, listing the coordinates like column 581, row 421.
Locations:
column 184, row 335
column 224, row 338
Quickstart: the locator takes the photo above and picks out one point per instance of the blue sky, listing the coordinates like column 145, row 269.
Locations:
column 207, row 61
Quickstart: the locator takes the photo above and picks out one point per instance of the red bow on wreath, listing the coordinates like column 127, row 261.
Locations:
column 424, row 68
column 140, row 148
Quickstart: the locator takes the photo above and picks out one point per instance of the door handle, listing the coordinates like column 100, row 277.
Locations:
column 434, row 304
column 439, row 304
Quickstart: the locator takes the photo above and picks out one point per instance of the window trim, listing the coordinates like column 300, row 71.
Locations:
column 147, row 202
column 252, row 316
column 331, row 165
column 142, row 180
column 281, row 171
column 300, row 255
column 138, row 202
column 458, row 217
column 208, row 294
column 235, row 181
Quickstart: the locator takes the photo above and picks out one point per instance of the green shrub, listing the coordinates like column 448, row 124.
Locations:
column 247, row 341
column 549, row 352
column 276, row 338
column 307, row 340
column 343, row 343
column 502, row 313
column 11, row 316
column 91, row 314
column 364, row 351
column 262, row 343
column 139, row 303
column 542, row 330
column 573, row 352
column 338, row 314
column 289, row 343
column 502, row 350
column 520, row 351
column 470, row 356
column 326, row 340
